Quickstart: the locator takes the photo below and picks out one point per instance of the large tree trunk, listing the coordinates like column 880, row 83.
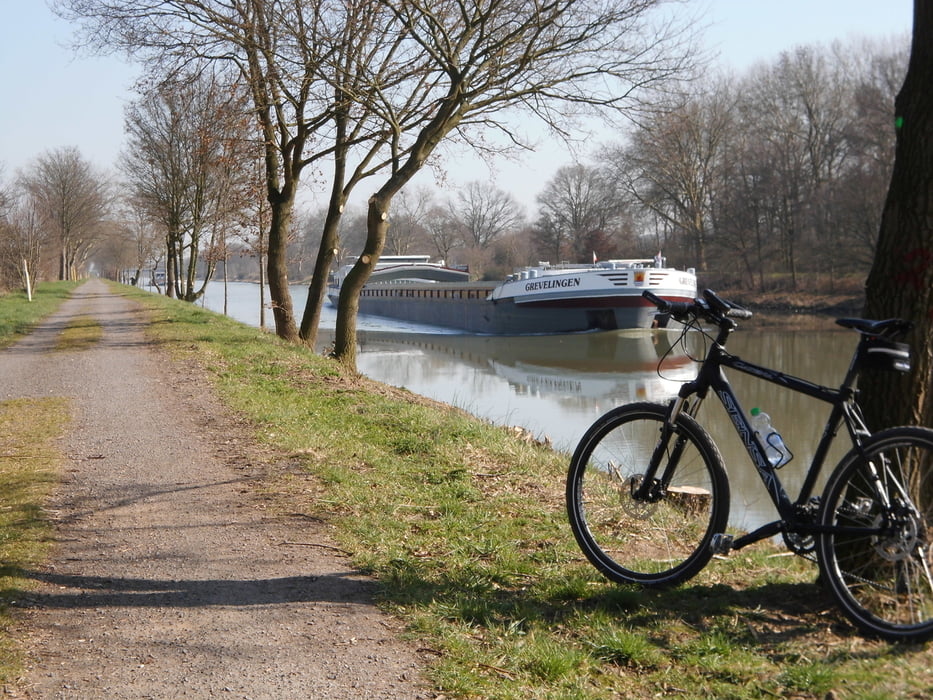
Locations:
column 377, row 225
column 901, row 279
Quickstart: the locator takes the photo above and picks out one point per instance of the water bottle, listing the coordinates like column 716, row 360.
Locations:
column 775, row 449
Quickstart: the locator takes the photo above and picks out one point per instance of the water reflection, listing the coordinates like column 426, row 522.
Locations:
column 556, row 386
column 553, row 386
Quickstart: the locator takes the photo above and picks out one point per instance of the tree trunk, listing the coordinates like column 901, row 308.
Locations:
column 262, row 281
column 170, row 259
column 311, row 318
column 377, row 225
column 327, row 250
column 277, row 268
column 900, row 283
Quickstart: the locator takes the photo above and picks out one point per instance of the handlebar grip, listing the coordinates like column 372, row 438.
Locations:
column 677, row 309
column 662, row 304
column 738, row 312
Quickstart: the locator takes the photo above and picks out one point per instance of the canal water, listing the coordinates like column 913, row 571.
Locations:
column 555, row 386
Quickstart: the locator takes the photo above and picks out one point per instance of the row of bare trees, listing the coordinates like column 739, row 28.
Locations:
column 191, row 168
column 372, row 88
column 58, row 205
column 783, row 171
column 772, row 178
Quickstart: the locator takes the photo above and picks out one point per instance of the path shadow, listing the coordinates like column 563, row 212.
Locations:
column 79, row 591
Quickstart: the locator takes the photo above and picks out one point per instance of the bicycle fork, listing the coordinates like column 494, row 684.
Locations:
column 651, row 489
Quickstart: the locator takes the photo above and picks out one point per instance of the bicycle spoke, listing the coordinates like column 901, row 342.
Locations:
column 660, row 539
column 883, row 579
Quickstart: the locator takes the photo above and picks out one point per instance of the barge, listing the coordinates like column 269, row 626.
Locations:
column 540, row 299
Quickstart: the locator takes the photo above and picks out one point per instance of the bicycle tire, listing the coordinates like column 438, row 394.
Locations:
column 652, row 544
column 883, row 583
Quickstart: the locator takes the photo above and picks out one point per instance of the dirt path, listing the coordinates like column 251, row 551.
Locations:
column 168, row 580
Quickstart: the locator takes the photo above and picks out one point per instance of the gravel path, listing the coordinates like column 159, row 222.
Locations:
column 168, row 580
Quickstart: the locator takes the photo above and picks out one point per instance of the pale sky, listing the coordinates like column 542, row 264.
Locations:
column 53, row 99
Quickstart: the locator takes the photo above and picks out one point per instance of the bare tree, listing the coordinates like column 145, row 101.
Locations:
column 187, row 163
column 6, row 196
column 486, row 58
column 486, row 213
column 20, row 243
column 272, row 46
column 72, row 200
column 444, row 229
column 799, row 111
column 580, row 207
column 115, row 256
column 408, row 223
column 311, row 66
column 671, row 166
column 878, row 73
column 141, row 231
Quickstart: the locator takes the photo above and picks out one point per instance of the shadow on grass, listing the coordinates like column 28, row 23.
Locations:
column 771, row 617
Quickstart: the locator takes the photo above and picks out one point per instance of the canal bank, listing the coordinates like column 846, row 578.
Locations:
column 464, row 527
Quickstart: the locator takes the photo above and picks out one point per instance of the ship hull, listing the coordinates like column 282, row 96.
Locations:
column 468, row 308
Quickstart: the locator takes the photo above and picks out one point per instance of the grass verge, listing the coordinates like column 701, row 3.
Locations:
column 18, row 315
column 29, row 469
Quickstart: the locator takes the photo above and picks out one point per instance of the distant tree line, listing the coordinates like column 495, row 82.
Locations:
column 779, row 173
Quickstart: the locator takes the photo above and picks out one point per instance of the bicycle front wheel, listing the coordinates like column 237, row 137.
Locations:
column 876, row 558
column 662, row 541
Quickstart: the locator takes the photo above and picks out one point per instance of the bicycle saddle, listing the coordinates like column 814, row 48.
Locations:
column 889, row 328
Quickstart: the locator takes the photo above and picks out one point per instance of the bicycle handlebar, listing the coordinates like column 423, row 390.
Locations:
column 711, row 307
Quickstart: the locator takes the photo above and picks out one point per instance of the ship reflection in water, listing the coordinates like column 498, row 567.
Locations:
column 554, row 386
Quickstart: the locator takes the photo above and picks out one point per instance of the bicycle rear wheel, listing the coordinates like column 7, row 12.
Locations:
column 883, row 580
column 658, row 543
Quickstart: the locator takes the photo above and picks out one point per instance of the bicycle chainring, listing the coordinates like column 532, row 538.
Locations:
column 800, row 543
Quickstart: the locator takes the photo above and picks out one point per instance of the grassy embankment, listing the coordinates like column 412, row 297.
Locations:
column 463, row 526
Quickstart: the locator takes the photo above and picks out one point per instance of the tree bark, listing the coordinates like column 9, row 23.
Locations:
column 900, row 283
column 327, row 250
column 377, row 225
column 311, row 319
column 277, row 270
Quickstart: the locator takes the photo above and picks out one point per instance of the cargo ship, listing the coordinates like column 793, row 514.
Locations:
column 539, row 299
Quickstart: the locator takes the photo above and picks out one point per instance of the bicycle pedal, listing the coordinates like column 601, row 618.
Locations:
column 721, row 543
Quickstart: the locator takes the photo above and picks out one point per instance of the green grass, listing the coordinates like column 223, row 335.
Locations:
column 18, row 315
column 29, row 467
column 463, row 527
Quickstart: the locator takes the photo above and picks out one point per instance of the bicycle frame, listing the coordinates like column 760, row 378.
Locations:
column 711, row 376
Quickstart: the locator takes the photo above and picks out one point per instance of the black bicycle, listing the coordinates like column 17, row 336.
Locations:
column 648, row 495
